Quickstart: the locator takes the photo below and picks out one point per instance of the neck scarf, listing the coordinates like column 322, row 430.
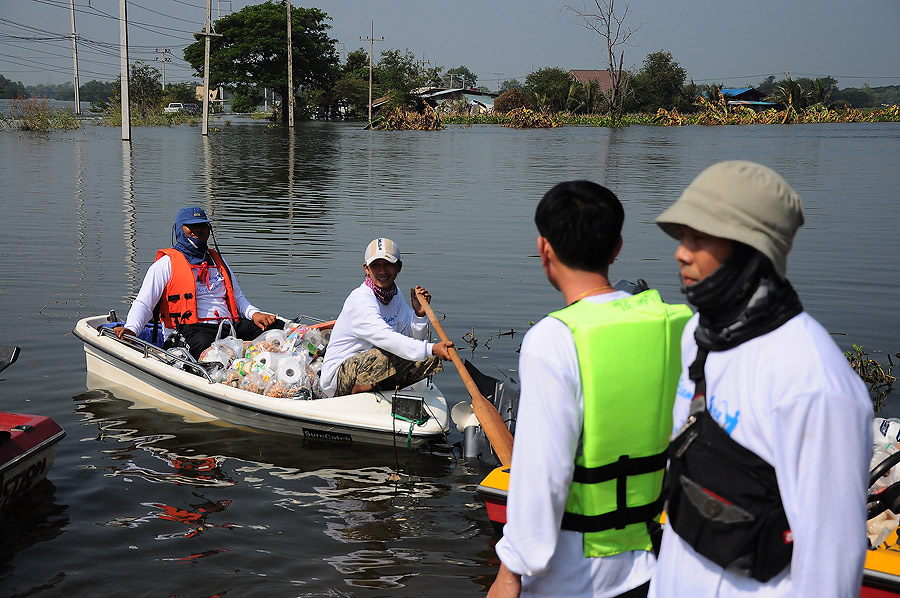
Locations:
column 193, row 249
column 384, row 296
column 744, row 298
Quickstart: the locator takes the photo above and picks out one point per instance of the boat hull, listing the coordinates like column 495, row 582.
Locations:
column 881, row 575
column 361, row 418
column 27, row 450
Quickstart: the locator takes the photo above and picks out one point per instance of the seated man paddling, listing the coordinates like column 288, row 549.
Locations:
column 195, row 290
column 378, row 341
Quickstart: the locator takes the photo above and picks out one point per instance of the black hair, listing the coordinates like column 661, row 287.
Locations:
column 582, row 221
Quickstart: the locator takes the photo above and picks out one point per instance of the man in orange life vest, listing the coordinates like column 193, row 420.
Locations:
column 195, row 290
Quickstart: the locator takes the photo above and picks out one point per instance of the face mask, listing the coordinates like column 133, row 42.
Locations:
column 193, row 249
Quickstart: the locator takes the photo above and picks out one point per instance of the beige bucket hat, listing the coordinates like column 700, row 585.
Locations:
column 742, row 201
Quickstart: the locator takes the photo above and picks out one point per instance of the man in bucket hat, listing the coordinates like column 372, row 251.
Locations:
column 194, row 289
column 378, row 341
column 766, row 488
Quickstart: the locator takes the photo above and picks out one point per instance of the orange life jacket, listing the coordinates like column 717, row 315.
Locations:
column 178, row 304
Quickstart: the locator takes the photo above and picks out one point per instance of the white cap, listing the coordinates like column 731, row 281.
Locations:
column 382, row 249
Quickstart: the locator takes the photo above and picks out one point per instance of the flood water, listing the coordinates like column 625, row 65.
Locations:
column 145, row 503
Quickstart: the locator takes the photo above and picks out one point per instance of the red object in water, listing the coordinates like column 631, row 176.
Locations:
column 27, row 449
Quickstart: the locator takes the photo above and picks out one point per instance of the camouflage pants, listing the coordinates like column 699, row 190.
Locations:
column 383, row 370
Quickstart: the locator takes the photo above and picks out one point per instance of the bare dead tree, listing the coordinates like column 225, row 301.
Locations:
column 603, row 20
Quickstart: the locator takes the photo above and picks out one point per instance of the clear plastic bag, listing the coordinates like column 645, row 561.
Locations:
column 315, row 343
column 284, row 390
column 253, row 382
column 218, row 352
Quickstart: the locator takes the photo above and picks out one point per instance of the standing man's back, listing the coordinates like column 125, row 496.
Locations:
column 598, row 379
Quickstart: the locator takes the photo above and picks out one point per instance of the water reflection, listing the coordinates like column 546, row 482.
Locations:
column 194, row 519
column 128, row 220
column 36, row 518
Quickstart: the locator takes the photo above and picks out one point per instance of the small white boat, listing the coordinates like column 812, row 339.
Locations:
column 411, row 417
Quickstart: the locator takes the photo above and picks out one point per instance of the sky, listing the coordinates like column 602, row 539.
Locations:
column 722, row 41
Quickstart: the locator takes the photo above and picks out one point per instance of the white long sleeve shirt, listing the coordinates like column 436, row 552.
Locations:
column 365, row 322
column 549, row 424
column 210, row 300
column 791, row 397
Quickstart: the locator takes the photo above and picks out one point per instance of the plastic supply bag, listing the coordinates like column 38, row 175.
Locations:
column 315, row 343
column 253, row 382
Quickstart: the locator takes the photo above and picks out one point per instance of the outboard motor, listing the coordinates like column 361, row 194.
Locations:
column 504, row 397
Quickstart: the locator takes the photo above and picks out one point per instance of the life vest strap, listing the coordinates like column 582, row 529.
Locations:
column 617, row 519
column 620, row 468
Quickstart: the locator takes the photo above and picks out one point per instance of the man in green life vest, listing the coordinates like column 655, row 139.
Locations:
column 595, row 415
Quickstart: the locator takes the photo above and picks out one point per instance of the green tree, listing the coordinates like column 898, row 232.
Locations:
column 185, row 93
column 659, row 83
column 396, row 75
column 145, row 90
column 251, row 49
column 11, row 89
column 357, row 65
column 96, row 91
column 767, row 85
column 352, row 94
column 509, row 84
column 550, row 88
column 462, row 77
column 821, row 90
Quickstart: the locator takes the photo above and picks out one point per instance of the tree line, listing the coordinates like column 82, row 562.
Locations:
column 249, row 56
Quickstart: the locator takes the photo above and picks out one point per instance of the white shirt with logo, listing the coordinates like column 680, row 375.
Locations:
column 790, row 397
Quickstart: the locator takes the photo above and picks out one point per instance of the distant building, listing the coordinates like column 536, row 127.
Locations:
column 746, row 96
column 601, row 76
column 479, row 102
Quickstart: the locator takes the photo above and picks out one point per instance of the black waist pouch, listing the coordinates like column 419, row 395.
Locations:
column 723, row 500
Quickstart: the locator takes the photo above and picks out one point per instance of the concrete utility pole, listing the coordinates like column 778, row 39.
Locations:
column 164, row 60
column 123, row 56
column 75, row 59
column 371, row 41
column 290, row 73
column 204, row 129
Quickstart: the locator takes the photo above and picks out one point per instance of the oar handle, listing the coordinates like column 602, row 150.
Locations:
column 490, row 419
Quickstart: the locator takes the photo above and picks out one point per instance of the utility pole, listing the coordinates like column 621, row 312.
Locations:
column 204, row 129
column 422, row 63
column 75, row 59
column 164, row 60
column 498, row 81
column 290, row 72
column 221, row 95
column 371, row 41
column 123, row 56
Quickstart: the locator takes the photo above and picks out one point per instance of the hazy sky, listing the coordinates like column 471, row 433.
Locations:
column 715, row 41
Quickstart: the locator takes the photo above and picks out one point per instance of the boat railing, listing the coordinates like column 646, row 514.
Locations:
column 151, row 350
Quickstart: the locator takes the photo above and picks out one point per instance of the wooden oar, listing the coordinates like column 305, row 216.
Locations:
column 490, row 419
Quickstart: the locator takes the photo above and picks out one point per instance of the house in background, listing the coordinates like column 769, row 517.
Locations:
column 601, row 76
column 478, row 102
column 746, row 96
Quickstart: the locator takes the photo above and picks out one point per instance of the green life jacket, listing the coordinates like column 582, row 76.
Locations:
column 629, row 355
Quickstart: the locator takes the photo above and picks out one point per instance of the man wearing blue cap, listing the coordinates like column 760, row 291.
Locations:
column 194, row 289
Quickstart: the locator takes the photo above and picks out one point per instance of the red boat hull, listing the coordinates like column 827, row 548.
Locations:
column 27, row 449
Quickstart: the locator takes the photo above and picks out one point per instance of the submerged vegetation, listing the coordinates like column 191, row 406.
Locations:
column 31, row 114
column 878, row 377
column 719, row 113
